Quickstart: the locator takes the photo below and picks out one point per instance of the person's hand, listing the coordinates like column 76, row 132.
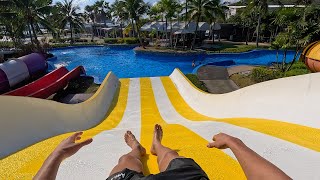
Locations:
column 221, row 141
column 69, row 147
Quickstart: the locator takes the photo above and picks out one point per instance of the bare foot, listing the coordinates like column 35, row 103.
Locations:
column 133, row 143
column 157, row 137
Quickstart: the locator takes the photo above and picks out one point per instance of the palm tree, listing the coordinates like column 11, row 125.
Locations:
column 135, row 9
column 199, row 10
column 260, row 8
column 34, row 12
column 118, row 10
column 214, row 13
column 98, row 12
column 156, row 12
column 102, row 10
column 89, row 13
column 170, row 7
column 15, row 28
column 71, row 16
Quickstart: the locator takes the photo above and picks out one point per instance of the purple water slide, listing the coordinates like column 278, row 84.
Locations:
column 4, row 83
column 35, row 62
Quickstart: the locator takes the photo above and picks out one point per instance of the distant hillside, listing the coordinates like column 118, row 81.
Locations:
column 273, row 2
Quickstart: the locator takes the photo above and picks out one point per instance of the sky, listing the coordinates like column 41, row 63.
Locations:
column 83, row 3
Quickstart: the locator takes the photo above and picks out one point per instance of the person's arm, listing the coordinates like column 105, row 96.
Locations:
column 65, row 149
column 253, row 165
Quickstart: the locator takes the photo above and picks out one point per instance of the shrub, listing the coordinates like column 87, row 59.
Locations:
column 298, row 68
column 68, row 45
column 242, row 80
column 131, row 40
column 110, row 40
column 296, row 72
column 261, row 74
column 120, row 41
column 81, row 40
column 195, row 80
column 299, row 65
column 57, row 40
column 6, row 44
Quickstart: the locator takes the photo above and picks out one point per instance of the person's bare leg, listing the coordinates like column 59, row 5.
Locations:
column 132, row 160
column 165, row 154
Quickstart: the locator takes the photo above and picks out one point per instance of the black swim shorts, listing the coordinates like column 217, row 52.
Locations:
column 179, row 168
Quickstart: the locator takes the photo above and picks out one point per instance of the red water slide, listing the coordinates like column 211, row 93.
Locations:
column 49, row 84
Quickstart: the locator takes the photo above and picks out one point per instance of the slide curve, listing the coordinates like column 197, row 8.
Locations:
column 25, row 120
column 278, row 119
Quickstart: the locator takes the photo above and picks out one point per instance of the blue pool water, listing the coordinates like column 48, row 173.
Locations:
column 98, row 61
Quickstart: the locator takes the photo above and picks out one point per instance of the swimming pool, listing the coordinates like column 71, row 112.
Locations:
column 99, row 60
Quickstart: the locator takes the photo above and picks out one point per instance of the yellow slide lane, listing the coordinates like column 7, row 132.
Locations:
column 215, row 163
column 304, row 136
column 25, row 163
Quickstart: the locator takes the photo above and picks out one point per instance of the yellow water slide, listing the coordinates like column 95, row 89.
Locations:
column 278, row 119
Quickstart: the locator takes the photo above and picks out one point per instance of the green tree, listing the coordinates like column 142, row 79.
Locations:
column 169, row 7
column 100, row 11
column 35, row 12
column 15, row 28
column 70, row 16
column 260, row 9
column 299, row 29
column 156, row 12
column 119, row 13
column 135, row 9
column 202, row 10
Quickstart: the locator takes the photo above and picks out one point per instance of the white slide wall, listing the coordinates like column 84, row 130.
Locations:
column 25, row 121
column 305, row 165
column 292, row 99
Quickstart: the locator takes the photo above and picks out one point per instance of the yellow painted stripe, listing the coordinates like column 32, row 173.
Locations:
column 304, row 136
column 215, row 162
column 25, row 163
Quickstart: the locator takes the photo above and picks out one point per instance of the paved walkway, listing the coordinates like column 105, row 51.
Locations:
column 216, row 79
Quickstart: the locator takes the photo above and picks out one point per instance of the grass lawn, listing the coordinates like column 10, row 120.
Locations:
column 261, row 74
column 225, row 47
column 199, row 84
column 242, row 80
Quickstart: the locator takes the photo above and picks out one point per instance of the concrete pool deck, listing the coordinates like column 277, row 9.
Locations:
column 280, row 128
column 216, row 79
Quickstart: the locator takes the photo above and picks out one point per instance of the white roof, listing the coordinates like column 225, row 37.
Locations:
column 216, row 26
column 153, row 25
column 108, row 29
column 183, row 31
column 176, row 26
column 203, row 26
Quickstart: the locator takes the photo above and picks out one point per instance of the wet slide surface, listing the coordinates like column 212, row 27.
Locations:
column 189, row 119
